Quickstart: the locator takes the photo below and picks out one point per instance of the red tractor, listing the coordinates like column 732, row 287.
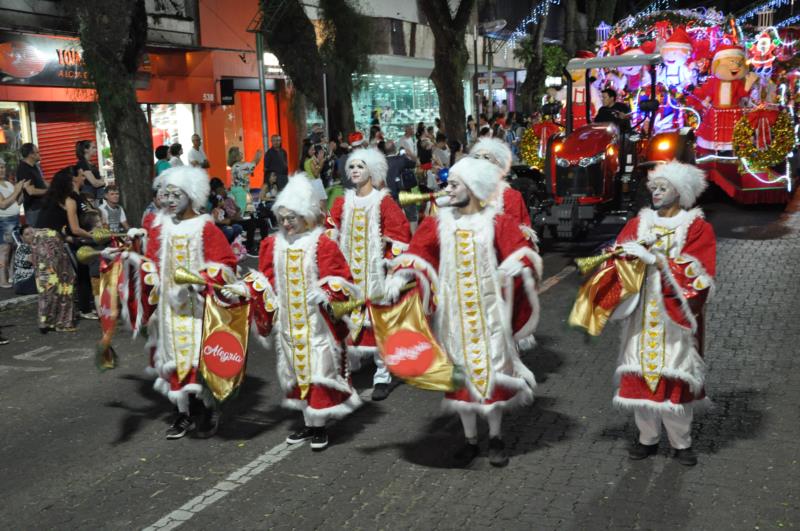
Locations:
column 595, row 170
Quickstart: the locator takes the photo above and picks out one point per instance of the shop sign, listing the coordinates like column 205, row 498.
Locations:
column 41, row 60
column 498, row 82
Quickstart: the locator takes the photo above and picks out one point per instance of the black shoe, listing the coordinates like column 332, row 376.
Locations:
column 686, row 456
column 182, row 425
column 380, row 392
column 299, row 436
column 465, row 455
column 497, row 452
column 45, row 329
column 641, row 451
column 209, row 424
column 320, row 439
column 4, row 341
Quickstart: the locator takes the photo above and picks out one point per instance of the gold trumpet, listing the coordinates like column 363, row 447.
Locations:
column 101, row 235
column 341, row 308
column 415, row 198
column 86, row 254
column 588, row 264
column 184, row 276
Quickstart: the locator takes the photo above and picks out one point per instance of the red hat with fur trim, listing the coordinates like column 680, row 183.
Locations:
column 648, row 47
column 585, row 54
column 729, row 50
column 355, row 139
column 679, row 39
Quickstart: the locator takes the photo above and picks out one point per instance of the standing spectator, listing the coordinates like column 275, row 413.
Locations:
column 276, row 161
column 196, row 157
column 9, row 221
column 94, row 184
column 54, row 272
column 112, row 213
column 89, row 218
column 175, row 152
column 162, row 159
column 375, row 135
column 265, row 218
column 472, row 131
column 408, row 143
column 456, row 151
column 314, row 161
column 241, row 173
column 24, row 273
column 441, row 154
column 29, row 173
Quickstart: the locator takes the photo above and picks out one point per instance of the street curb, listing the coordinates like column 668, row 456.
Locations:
column 18, row 301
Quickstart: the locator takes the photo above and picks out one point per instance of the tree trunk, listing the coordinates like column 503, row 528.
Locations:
column 533, row 86
column 113, row 44
column 450, row 58
column 571, row 26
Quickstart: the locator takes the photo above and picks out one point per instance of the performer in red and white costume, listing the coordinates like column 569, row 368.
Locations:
column 719, row 99
column 660, row 372
column 505, row 199
column 370, row 228
column 300, row 272
column 184, row 238
column 478, row 277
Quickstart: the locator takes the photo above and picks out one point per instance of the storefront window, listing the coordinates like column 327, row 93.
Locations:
column 172, row 123
column 14, row 131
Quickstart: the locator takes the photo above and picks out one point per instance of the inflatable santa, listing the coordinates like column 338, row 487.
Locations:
column 720, row 98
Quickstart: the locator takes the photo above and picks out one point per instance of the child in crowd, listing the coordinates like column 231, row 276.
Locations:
column 112, row 213
column 24, row 278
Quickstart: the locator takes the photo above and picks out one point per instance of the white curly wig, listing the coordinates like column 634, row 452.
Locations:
column 298, row 196
column 193, row 181
column 688, row 180
column 479, row 175
column 495, row 151
column 375, row 161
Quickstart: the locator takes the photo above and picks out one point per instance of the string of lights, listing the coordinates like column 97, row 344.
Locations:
column 771, row 4
column 788, row 22
column 537, row 13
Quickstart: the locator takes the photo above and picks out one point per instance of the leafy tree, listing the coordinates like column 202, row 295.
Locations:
column 113, row 38
column 450, row 56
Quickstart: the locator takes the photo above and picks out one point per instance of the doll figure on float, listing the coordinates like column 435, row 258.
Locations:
column 579, row 96
column 762, row 54
column 675, row 74
column 722, row 98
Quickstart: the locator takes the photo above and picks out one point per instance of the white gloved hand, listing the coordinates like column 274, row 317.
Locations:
column 110, row 252
column 394, row 285
column 511, row 268
column 316, row 297
column 637, row 250
column 234, row 290
column 649, row 239
column 136, row 233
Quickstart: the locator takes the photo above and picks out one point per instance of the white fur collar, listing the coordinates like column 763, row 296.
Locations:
column 375, row 196
column 301, row 242
column 185, row 226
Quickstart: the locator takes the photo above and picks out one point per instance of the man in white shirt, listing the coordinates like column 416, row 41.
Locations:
column 196, row 156
column 409, row 143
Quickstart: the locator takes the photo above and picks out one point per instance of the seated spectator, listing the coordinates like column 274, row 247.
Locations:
column 224, row 210
column 24, row 279
column 111, row 212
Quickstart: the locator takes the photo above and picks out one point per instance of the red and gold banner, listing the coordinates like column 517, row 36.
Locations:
column 105, row 357
column 617, row 280
column 224, row 348
column 408, row 347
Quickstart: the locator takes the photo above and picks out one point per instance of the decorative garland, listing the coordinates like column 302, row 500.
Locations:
column 530, row 144
column 759, row 160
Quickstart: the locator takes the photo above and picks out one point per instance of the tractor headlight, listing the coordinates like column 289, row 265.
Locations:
column 564, row 163
column 588, row 161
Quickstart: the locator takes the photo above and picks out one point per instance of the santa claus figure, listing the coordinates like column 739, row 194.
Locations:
column 186, row 239
column 676, row 51
column 636, row 77
column 660, row 370
column 505, row 199
column 370, row 228
column 301, row 271
column 721, row 98
column 478, row 278
column 762, row 54
column 579, row 95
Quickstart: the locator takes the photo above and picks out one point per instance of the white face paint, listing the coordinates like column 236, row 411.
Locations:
column 161, row 197
column 291, row 222
column 663, row 193
column 176, row 201
column 358, row 172
column 457, row 192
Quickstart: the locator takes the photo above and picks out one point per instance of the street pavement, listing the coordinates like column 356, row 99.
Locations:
column 85, row 450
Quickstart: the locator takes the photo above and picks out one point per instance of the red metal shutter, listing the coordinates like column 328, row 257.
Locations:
column 58, row 127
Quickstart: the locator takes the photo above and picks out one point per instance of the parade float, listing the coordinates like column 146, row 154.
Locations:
column 702, row 88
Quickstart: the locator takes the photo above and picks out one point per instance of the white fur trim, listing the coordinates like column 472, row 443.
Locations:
column 676, row 288
column 427, row 276
column 696, row 383
column 523, row 396
column 662, row 407
column 495, row 151
column 688, row 180
column 298, row 196
column 375, row 161
column 479, row 175
column 193, row 181
column 338, row 411
column 700, row 273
